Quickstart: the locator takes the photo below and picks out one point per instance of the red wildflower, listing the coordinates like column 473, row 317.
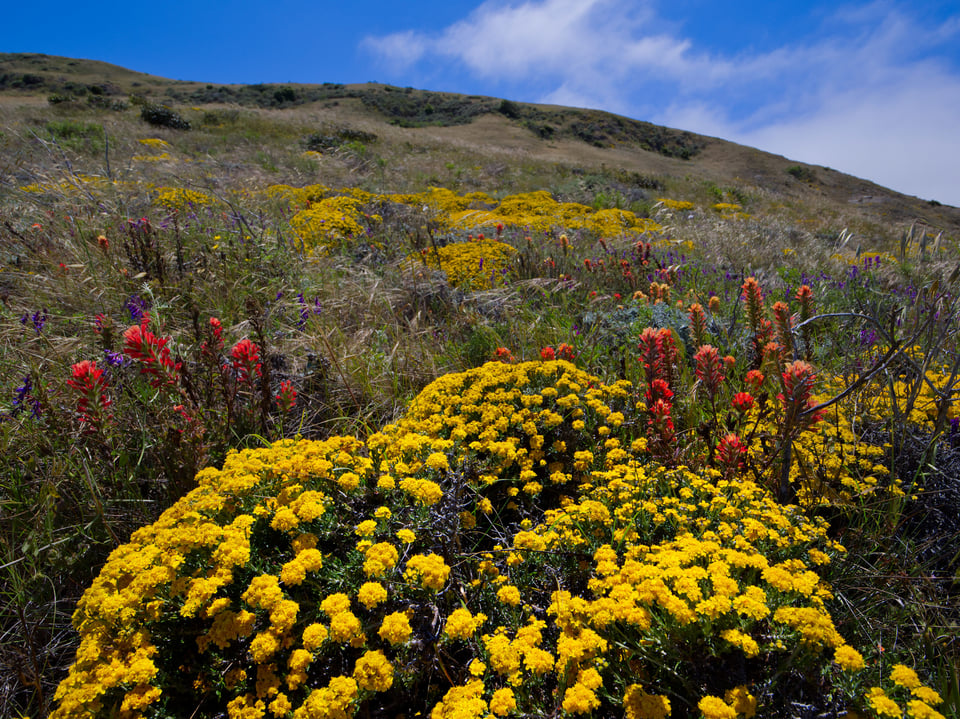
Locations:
column 730, row 453
column 658, row 354
column 217, row 329
column 152, row 352
column 92, row 402
column 660, row 420
column 755, row 380
column 547, row 354
column 565, row 352
column 709, row 368
column 504, row 355
column 797, row 381
column 742, row 401
column 698, row 323
column 287, row 397
column 246, row 360
column 783, row 324
column 658, row 390
column 753, row 298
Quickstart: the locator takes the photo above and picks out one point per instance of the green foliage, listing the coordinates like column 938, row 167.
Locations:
column 78, row 136
column 801, row 173
column 335, row 137
column 163, row 116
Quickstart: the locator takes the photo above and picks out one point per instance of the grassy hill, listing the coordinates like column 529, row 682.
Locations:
column 334, row 400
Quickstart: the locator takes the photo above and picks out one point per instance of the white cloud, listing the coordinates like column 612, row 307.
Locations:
column 870, row 96
column 399, row 50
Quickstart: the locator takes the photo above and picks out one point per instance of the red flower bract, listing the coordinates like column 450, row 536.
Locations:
column 152, row 352
column 89, row 382
column 246, row 360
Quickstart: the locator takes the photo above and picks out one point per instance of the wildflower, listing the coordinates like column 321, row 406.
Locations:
column 92, row 402
column 371, row 594
column 429, row 569
column 438, row 461
column 658, row 354
column 23, row 396
column 216, row 328
column 503, row 702
column 38, row 319
column 658, row 390
column 753, row 299
column 373, row 672
column 379, row 558
column 742, row 402
column 637, row 704
column 502, row 354
column 797, row 382
column 287, row 397
column 754, row 380
column 313, row 636
column 246, row 360
column 578, row 699
column 660, row 419
column 805, row 298
column 461, row 624
column 730, row 453
column 848, row 658
column 509, row 594
column 547, row 354
column 565, row 352
column 742, row 701
column 142, row 345
column 714, row 304
column 698, row 323
column 366, row 528
column 904, row 676
column 395, row 628
column 103, row 243
column 882, row 704
column 137, row 307
column 709, row 368
column 715, row 708
column 783, row 324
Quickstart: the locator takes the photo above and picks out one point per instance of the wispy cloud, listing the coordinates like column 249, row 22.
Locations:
column 874, row 94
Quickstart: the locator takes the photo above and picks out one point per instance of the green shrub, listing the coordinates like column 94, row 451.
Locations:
column 804, row 174
column 163, row 116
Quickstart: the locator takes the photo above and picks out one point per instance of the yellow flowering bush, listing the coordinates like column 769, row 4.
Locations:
column 468, row 265
column 179, row 199
column 330, row 222
column 491, row 553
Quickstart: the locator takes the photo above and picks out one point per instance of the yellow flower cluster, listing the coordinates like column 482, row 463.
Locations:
column 539, row 212
column 331, row 221
column 544, row 564
column 914, row 698
column 154, row 143
column 675, row 205
column 179, row 199
column 162, row 157
column 468, row 265
column 915, row 400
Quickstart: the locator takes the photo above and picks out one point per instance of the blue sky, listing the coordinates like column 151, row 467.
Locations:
column 868, row 88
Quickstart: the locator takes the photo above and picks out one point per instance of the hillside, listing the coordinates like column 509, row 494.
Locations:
column 364, row 401
column 403, row 123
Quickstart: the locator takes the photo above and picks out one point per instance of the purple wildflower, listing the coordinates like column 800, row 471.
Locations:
column 136, row 306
